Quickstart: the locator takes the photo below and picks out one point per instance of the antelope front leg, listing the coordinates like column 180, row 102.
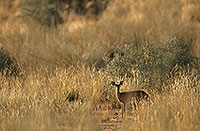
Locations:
column 123, row 109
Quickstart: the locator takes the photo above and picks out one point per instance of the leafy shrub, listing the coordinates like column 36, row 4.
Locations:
column 8, row 64
column 44, row 12
column 150, row 63
column 47, row 12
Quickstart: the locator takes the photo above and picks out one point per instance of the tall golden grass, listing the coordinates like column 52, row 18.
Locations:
column 59, row 88
column 43, row 100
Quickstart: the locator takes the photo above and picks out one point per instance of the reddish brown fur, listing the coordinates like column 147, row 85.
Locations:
column 126, row 97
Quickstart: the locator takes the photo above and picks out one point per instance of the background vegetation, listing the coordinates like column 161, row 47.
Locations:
column 57, row 59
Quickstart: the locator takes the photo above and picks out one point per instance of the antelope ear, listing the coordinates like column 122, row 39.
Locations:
column 112, row 82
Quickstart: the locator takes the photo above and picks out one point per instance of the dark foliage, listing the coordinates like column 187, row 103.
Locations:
column 48, row 12
column 150, row 63
column 8, row 64
column 44, row 12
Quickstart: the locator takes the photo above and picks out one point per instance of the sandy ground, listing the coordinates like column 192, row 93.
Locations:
column 109, row 119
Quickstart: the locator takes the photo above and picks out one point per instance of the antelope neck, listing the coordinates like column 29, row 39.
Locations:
column 117, row 92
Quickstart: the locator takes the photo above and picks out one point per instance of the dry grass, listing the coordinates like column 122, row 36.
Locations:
column 59, row 88
column 176, row 108
column 50, row 100
column 66, row 99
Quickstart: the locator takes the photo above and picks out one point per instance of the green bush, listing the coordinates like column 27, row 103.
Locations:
column 44, row 12
column 150, row 63
column 47, row 12
column 8, row 64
